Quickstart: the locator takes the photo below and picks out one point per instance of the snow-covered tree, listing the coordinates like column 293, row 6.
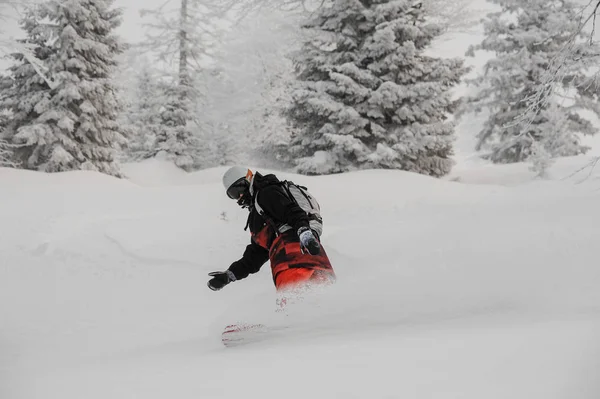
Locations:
column 183, row 38
column 269, row 122
column 453, row 15
column 6, row 154
column 247, row 7
column 23, row 87
column 249, row 88
column 69, row 123
column 368, row 97
column 553, row 79
column 253, row 84
column 9, row 10
column 526, row 35
column 177, row 135
column 143, row 114
column 552, row 143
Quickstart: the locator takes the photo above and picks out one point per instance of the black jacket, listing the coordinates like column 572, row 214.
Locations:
column 279, row 209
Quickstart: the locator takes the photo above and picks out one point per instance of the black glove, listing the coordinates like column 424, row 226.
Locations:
column 308, row 241
column 220, row 279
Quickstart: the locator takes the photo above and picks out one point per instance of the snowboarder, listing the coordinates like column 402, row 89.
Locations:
column 283, row 230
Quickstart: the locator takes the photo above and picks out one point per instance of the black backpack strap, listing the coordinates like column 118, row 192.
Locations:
column 264, row 214
column 248, row 220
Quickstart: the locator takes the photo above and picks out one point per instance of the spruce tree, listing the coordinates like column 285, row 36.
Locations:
column 5, row 154
column 368, row 96
column 23, row 90
column 144, row 114
column 71, row 122
column 526, row 36
column 176, row 136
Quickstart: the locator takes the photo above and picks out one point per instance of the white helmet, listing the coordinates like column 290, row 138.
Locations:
column 236, row 180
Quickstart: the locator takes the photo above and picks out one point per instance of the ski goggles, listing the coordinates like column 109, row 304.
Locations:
column 238, row 188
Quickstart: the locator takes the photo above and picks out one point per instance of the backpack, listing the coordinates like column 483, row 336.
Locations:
column 305, row 200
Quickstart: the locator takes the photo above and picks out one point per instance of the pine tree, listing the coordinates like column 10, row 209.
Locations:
column 250, row 89
column 368, row 97
column 70, row 124
column 6, row 149
column 175, row 134
column 6, row 154
column 144, row 114
column 23, row 90
column 526, row 35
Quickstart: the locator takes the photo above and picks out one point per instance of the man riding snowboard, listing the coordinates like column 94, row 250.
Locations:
column 283, row 230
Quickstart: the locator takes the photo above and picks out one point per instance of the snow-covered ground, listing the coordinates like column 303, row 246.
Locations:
column 484, row 287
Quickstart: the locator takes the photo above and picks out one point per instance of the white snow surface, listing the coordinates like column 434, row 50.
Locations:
column 483, row 285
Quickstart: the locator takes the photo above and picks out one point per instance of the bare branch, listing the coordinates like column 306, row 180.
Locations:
column 591, row 165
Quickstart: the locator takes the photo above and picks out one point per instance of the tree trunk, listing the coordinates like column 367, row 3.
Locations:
column 184, row 74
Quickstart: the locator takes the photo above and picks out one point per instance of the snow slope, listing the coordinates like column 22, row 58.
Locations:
column 446, row 289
